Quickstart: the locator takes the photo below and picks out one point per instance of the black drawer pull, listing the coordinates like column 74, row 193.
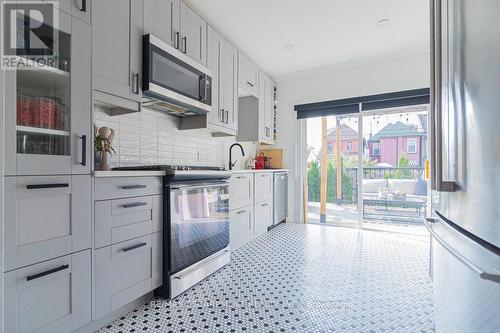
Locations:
column 42, row 186
column 132, row 187
column 83, row 8
column 133, row 247
column 50, row 271
column 135, row 204
column 84, row 150
column 250, row 84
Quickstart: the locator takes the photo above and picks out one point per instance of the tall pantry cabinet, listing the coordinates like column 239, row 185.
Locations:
column 47, row 197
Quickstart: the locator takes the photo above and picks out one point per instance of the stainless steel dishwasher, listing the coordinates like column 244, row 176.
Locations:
column 280, row 197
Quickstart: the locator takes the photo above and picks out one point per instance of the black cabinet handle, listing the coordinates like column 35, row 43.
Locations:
column 176, row 40
column 136, row 83
column 132, row 187
column 250, row 84
column 184, row 42
column 43, row 186
column 84, row 150
column 50, row 271
column 133, row 247
column 135, row 204
column 84, row 6
column 227, row 116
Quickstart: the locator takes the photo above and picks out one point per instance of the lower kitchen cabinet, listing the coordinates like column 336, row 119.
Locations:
column 241, row 226
column 263, row 186
column 122, row 219
column 263, row 216
column 125, row 271
column 45, row 217
column 52, row 296
column 241, row 188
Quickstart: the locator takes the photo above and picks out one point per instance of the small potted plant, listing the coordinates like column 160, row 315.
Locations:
column 103, row 148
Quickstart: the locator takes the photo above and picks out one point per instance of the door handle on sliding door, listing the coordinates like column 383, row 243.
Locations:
column 437, row 181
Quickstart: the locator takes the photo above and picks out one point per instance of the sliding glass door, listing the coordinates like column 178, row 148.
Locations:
column 368, row 169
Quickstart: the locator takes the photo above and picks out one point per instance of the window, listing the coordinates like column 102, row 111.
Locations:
column 411, row 146
column 376, row 149
column 329, row 148
column 349, row 146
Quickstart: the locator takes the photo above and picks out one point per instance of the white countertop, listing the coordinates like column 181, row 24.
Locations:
column 259, row 170
column 131, row 173
column 150, row 173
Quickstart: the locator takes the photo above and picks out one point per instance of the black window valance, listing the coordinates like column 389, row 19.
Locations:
column 371, row 102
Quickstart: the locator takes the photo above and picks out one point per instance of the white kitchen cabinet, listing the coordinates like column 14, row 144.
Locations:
column 256, row 115
column 124, row 272
column 263, row 186
column 248, row 76
column 222, row 61
column 241, row 228
column 193, row 34
column 117, row 48
column 123, row 219
column 79, row 9
column 45, row 217
column 263, row 216
column 241, row 189
column 52, row 296
column 48, row 117
column 161, row 19
column 230, row 86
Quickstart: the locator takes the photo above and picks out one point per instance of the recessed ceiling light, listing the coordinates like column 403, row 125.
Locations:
column 383, row 22
column 289, row 47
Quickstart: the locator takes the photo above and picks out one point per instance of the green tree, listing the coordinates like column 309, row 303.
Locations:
column 401, row 173
column 313, row 182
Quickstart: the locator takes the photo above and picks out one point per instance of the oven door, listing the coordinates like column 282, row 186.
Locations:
column 199, row 222
column 171, row 76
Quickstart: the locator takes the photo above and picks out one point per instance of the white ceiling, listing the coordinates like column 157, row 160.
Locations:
column 324, row 32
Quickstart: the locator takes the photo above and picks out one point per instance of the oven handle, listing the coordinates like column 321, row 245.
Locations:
column 183, row 188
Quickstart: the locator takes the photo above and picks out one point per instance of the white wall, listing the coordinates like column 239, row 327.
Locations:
column 379, row 76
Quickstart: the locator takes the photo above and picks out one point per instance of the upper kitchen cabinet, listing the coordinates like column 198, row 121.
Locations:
column 248, row 76
column 117, row 50
column 48, row 118
column 222, row 61
column 161, row 19
column 256, row 115
column 230, row 86
column 79, row 9
column 193, row 34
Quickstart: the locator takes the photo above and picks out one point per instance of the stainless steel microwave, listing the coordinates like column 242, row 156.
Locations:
column 172, row 82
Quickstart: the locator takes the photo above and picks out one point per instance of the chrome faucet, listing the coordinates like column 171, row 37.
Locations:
column 231, row 164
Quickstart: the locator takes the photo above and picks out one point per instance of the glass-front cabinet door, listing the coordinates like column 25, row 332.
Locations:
column 48, row 106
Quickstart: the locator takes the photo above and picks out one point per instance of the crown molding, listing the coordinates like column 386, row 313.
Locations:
column 422, row 49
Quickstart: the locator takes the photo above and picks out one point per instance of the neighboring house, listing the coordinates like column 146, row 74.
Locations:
column 348, row 140
column 394, row 141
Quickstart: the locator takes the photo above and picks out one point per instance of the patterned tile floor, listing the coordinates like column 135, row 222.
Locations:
column 304, row 278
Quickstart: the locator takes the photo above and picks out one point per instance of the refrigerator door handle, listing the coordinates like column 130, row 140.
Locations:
column 482, row 274
column 436, row 61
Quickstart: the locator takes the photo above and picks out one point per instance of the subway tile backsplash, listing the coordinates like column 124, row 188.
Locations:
column 151, row 137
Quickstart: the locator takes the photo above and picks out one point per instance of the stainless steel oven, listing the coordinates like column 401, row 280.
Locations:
column 199, row 222
column 172, row 82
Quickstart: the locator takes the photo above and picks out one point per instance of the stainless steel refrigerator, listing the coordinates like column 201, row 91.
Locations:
column 465, row 125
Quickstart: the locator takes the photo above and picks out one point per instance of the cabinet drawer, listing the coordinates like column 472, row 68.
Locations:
column 241, row 226
column 53, row 296
column 240, row 190
column 45, row 217
column 123, row 187
column 123, row 219
column 263, row 216
column 263, row 186
column 124, row 272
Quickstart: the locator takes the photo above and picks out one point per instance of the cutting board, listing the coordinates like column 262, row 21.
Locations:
column 276, row 156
